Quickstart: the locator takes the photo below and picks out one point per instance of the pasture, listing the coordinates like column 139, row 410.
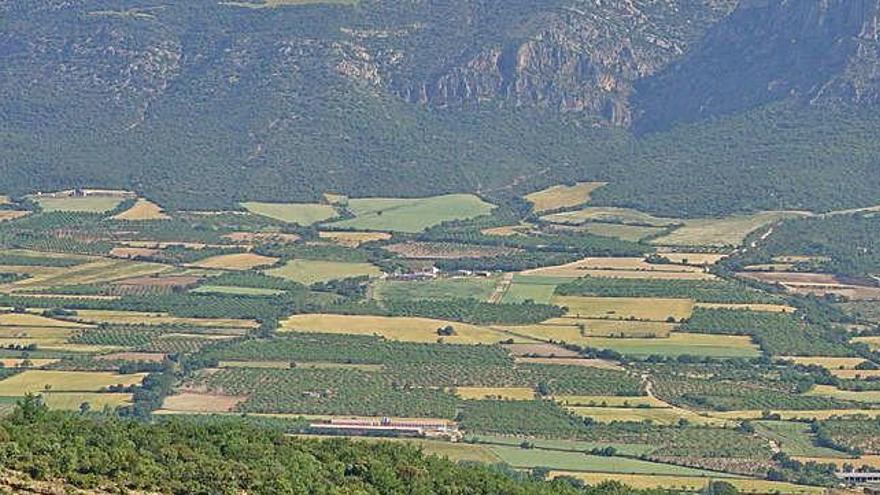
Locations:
column 625, row 308
column 404, row 329
column 632, row 233
column 304, row 214
column 312, row 271
column 142, row 210
column 36, row 381
column 562, row 196
column 794, row 438
column 525, row 288
column 236, row 261
column 353, row 239
column 727, row 231
column 412, row 214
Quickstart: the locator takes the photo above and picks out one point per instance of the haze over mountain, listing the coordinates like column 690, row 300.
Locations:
column 202, row 103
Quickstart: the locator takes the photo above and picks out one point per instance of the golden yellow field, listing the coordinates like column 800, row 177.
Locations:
column 872, row 342
column 770, row 308
column 508, row 230
column 237, row 261
column 727, row 231
column 35, row 381
column 568, row 329
column 142, row 210
column 199, row 403
column 353, row 239
column 692, row 483
column 562, row 196
column 623, row 308
column 508, row 393
column 393, row 328
column 132, row 252
column 830, row 363
column 34, row 363
column 312, row 271
column 853, row 374
column 865, row 460
column 97, row 401
column 11, row 214
column 32, row 320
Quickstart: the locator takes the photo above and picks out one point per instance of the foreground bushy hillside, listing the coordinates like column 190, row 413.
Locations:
column 230, row 457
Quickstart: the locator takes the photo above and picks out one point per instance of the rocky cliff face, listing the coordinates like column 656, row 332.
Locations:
column 767, row 50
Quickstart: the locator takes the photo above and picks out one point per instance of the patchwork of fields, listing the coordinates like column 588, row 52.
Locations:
column 591, row 342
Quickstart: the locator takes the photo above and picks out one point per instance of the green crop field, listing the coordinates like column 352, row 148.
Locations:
column 523, row 289
column 412, row 215
column 795, row 439
column 90, row 204
column 299, row 213
column 727, row 231
column 727, row 346
column 312, row 271
column 621, row 231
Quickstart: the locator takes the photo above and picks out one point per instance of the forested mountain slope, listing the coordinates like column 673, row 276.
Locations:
column 199, row 104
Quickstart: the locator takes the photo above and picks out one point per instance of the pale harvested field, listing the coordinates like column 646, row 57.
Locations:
column 508, row 393
column 797, row 415
column 562, row 196
column 509, row 230
column 610, row 401
column 39, row 321
column 769, row 308
column 353, row 239
column 97, row 316
column 169, row 281
column 699, row 259
column 819, row 284
column 237, row 261
column 71, row 401
column 829, row 363
column 664, row 416
column 855, row 374
column 867, row 396
column 35, row 381
column 11, row 214
column 102, row 271
column 201, row 403
column 392, row 328
column 564, row 361
column 539, row 350
column 312, row 271
column 90, row 204
column 692, row 483
column 152, row 357
column 132, row 252
column 35, row 363
column 872, row 342
column 624, row 216
column 258, row 237
column 799, row 278
column 865, row 460
column 142, row 210
column 620, row 268
column 799, row 259
column 769, row 267
column 444, row 250
column 727, row 231
column 622, row 308
column 647, row 275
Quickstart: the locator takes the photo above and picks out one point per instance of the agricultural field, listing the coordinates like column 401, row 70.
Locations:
column 36, row 381
column 312, row 271
column 632, row 233
column 6, row 215
column 446, row 250
column 304, row 214
column 611, row 215
column 238, row 261
column 411, row 215
column 795, row 439
column 524, row 288
column 677, row 344
column 626, row 268
column 73, row 401
column 393, row 328
column 479, row 288
column 243, row 291
column 692, row 483
column 562, row 196
column 625, row 308
column 87, row 204
column 727, row 231
column 353, row 239
column 142, row 210
column 500, row 393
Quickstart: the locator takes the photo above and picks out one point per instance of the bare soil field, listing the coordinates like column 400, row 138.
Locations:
column 201, row 403
column 540, row 350
column 132, row 252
